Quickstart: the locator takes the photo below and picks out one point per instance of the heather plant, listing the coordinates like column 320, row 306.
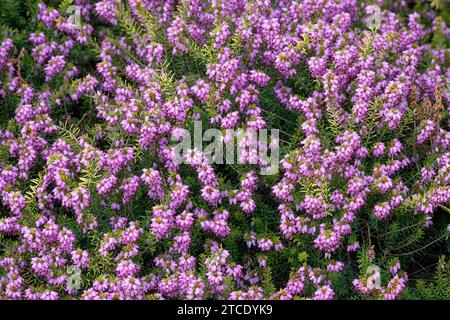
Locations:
column 97, row 95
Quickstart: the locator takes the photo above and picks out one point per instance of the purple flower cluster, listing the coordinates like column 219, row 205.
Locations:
column 105, row 191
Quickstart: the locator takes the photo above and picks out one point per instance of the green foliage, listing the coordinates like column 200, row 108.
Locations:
column 436, row 288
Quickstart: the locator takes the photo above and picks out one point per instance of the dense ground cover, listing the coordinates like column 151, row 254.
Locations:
column 95, row 206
